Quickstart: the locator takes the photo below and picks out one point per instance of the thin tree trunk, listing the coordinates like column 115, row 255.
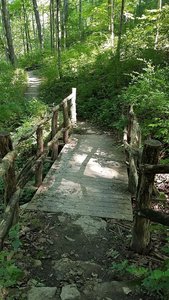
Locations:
column 58, row 33
column 120, row 30
column 8, row 32
column 43, row 24
column 33, row 26
column 52, row 24
column 26, row 25
column 80, row 19
column 158, row 25
column 23, row 39
column 38, row 23
column 112, row 23
column 64, row 19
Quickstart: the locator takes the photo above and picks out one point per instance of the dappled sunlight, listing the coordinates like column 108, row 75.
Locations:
column 47, row 184
column 77, row 161
column 86, row 148
column 79, row 158
column 94, row 169
column 69, row 187
column 81, row 182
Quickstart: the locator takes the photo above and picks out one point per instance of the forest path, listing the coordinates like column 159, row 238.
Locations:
column 89, row 179
column 69, row 233
column 34, row 82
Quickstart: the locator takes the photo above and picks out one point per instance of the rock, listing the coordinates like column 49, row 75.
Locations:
column 126, row 290
column 42, row 293
column 65, row 267
column 70, row 292
column 37, row 263
column 40, row 284
column 24, row 230
column 91, row 226
column 107, row 290
column 42, row 240
column 61, row 219
column 32, row 282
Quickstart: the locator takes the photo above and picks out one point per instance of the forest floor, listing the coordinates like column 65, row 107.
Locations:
column 72, row 257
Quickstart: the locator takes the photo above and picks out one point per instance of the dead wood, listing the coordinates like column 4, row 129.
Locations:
column 154, row 216
column 8, row 217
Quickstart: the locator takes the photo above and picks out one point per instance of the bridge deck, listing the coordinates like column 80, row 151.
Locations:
column 88, row 179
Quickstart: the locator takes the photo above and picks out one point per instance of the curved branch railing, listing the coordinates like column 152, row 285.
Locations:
column 142, row 165
column 45, row 146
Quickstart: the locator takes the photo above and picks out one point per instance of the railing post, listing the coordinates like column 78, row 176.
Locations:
column 54, row 128
column 5, row 144
column 39, row 163
column 54, row 124
column 141, row 233
column 9, row 178
column 66, row 122
column 73, row 107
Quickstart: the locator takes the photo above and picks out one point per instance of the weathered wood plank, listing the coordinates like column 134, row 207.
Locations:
column 81, row 182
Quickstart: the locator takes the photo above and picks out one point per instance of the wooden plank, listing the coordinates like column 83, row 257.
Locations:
column 72, row 191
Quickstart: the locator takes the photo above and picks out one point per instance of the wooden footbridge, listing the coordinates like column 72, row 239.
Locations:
column 88, row 177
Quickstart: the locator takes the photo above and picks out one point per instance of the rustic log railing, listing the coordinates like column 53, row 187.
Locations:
column 45, row 146
column 142, row 165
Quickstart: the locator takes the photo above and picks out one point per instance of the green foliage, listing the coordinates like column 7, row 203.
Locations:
column 120, row 267
column 31, row 60
column 150, row 93
column 154, row 282
column 9, row 272
column 14, row 237
column 12, row 87
column 166, row 247
column 35, row 110
column 142, row 37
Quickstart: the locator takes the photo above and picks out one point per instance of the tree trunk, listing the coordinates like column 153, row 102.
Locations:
column 9, row 178
column 5, row 144
column 52, row 24
column 23, row 39
column 8, row 32
column 80, row 19
column 58, row 32
column 141, row 233
column 38, row 23
column 158, row 25
column 33, row 26
column 120, row 31
column 64, row 22
column 26, row 26
column 111, row 4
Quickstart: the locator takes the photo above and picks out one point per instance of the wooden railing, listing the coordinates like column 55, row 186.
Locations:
column 45, row 146
column 142, row 165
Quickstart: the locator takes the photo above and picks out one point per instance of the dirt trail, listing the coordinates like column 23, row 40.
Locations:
column 69, row 256
column 34, row 82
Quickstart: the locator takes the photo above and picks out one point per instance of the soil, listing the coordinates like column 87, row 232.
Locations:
column 56, row 251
